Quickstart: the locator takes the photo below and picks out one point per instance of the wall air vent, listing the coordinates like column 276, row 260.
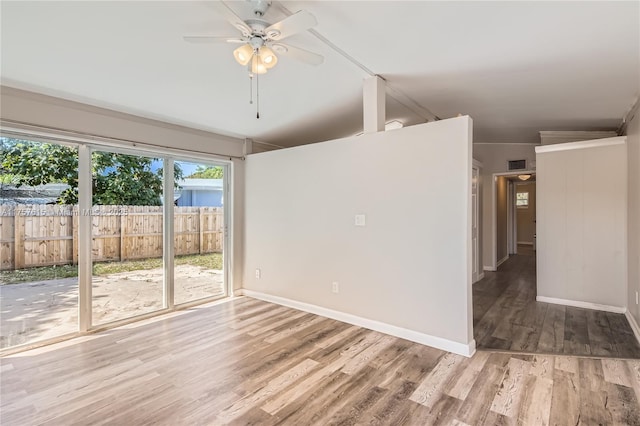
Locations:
column 517, row 164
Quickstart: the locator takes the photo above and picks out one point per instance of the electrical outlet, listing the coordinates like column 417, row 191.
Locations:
column 360, row 220
column 258, row 273
column 335, row 287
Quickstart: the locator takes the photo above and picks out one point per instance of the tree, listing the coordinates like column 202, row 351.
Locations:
column 117, row 179
column 207, row 172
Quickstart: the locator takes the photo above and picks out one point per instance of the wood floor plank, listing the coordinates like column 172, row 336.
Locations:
column 243, row 405
column 390, row 407
column 432, row 386
column 363, row 358
column 622, row 405
column 444, row 410
column 615, row 371
column 338, row 337
column 299, row 325
column 287, row 318
column 496, row 419
column 509, row 395
column 552, row 333
column 536, row 404
column 350, row 413
column 477, row 405
column 309, row 407
column 278, row 402
column 461, row 385
column 567, row 364
column 590, row 374
column 415, row 363
column 627, row 345
column 599, row 334
column 565, row 399
column 633, row 366
column 542, row 366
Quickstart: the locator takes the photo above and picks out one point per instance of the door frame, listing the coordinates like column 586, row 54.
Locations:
column 477, row 272
column 494, row 212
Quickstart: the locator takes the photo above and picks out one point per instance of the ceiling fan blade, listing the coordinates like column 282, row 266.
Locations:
column 212, row 39
column 296, row 23
column 298, row 53
column 233, row 19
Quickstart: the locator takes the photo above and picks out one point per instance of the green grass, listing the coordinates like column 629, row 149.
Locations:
column 207, row 261
column 38, row 274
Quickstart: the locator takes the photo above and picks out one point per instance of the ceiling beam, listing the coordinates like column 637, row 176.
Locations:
column 373, row 102
column 401, row 97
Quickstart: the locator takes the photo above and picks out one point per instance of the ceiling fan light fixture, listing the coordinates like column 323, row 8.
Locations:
column 243, row 54
column 273, row 34
column 268, row 58
column 257, row 66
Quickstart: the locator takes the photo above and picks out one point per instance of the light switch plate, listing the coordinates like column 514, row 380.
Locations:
column 360, row 220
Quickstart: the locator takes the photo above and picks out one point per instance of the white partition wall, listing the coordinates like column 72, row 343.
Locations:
column 385, row 216
column 582, row 224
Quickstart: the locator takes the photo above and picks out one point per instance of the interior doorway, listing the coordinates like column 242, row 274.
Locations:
column 514, row 215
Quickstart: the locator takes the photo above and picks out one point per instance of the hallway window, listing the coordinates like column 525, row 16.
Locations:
column 522, row 200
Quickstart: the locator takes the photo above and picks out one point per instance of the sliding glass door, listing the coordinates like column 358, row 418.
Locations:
column 92, row 236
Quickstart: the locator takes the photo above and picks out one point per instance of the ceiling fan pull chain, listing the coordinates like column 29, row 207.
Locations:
column 257, row 96
column 250, row 89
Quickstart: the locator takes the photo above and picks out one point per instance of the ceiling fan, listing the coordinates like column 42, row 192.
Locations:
column 260, row 40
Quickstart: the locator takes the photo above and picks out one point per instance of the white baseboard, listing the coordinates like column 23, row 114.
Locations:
column 580, row 304
column 634, row 325
column 489, row 268
column 480, row 276
column 425, row 339
column 238, row 292
column 525, row 243
column 501, row 261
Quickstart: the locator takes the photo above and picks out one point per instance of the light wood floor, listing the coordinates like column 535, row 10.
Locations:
column 507, row 317
column 251, row 362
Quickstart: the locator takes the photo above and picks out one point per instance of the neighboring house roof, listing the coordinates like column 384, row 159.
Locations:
column 26, row 194
column 200, row 184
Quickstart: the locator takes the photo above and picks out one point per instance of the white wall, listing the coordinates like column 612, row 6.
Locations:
column 582, row 223
column 28, row 108
column 633, row 215
column 494, row 158
column 409, row 268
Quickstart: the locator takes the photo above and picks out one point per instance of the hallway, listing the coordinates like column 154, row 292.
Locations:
column 506, row 316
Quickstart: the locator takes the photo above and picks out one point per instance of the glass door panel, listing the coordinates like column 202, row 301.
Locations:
column 38, row 241
column 127, row 231
column 199, row 231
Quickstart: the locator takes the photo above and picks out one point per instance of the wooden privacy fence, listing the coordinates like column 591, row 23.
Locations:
column 44, row 235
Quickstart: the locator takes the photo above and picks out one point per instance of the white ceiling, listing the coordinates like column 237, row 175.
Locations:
column 514, row 67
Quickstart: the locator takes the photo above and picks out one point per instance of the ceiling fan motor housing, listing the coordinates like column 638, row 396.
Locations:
column 256, row 42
